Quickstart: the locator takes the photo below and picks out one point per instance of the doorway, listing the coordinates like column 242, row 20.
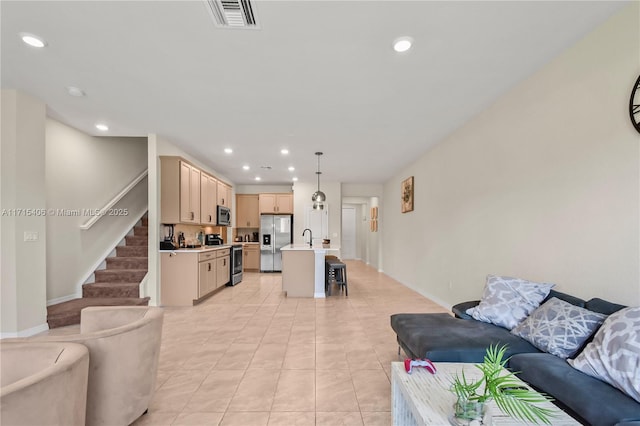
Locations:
column 348, row 243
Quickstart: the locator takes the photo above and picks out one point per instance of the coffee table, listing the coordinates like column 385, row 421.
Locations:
column 422, row 398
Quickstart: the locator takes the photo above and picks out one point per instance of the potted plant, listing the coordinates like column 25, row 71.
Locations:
column 501, row 386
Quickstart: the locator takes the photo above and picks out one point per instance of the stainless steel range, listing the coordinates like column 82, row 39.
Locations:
column 236, row 264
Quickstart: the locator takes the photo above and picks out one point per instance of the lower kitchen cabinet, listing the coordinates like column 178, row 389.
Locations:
column 251, row 261
column 223, row 269
column 188, row 276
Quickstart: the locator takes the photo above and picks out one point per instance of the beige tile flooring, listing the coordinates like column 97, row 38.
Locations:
column 248, row 355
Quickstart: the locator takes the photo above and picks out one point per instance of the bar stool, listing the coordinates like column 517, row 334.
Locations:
column 335, row 271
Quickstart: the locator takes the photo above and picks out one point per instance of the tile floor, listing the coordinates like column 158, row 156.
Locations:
column 250, row 356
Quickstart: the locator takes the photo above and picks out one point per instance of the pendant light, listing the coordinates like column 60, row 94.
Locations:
column 318, row 197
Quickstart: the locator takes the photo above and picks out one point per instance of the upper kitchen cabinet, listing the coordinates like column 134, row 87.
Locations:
column 180, row 191
column 208, row 199
column 224, row 194
column 247, row 211
column 276, row 203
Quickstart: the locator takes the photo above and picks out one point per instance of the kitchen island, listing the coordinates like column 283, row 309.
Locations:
column 303, row 269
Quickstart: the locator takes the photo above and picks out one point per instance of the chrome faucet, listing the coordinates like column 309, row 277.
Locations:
column 310, row 236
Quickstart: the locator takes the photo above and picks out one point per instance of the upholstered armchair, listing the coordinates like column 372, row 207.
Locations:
column 43, row 383
column 124, row 349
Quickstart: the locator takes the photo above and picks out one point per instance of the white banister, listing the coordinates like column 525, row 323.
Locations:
column 88, row 224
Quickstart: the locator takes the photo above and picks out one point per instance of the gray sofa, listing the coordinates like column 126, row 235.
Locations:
column 445, row 338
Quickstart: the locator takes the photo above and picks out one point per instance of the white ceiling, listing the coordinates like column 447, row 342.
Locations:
column 316, row 76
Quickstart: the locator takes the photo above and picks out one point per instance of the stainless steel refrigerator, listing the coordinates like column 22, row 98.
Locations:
column 275, row 233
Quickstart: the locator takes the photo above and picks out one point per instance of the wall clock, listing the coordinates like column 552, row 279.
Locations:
column 634, row 105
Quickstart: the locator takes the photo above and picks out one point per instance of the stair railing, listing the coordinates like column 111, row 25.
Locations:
column 88, row 224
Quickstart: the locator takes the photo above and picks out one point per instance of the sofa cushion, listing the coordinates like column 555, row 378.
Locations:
column 441, row 337
column 567, row 298
column 614, row 353
column 602, row 306
column 595, row 401
column 558, row 327
column 507, row 301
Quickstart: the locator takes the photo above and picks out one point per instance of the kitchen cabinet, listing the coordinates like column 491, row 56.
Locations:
column 247, row 211
column 223, row 267
column 207, row 273
column 179, row 191
column 224, row 194
column 251, row 259
column 189, row 193
column 208, row 199
column 276, row 203
column 188, row 276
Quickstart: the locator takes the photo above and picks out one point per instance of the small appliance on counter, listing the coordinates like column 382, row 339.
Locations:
column 213, row 240
column 167, row 243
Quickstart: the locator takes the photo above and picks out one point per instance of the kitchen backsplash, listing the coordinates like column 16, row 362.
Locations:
column 191, row 232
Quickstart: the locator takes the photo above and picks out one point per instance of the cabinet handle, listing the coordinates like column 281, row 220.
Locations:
column 209, row 266
column 209, row 218
column 225, row 262
column 193, row 216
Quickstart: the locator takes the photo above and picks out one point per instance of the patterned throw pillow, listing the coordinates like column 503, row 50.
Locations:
column 558, row 327
column 507, row 301
column 614, row 354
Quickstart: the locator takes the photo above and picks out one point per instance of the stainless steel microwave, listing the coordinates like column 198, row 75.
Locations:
column 224, row 216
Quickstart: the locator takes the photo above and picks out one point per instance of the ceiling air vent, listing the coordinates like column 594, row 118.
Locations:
column 232, row 13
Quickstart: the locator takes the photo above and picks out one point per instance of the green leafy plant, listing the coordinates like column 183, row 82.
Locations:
column 504, row 388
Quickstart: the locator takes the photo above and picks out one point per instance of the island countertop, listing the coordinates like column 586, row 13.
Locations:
column 315, row 247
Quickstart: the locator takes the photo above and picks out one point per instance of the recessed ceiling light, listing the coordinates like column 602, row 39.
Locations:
column 284, row 151
column 291, row 168
column 32, row 40
column 228, row 151
column 258, row 178
column 75, row 91
column 245, row 167
column 295, row 179
column 102, row 127
column 402, row 44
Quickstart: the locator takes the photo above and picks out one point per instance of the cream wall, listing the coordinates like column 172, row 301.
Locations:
column 23, row 263
column 542, row 185
column 86, row 172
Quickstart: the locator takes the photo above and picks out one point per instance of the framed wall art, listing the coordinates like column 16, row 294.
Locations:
column 406, row 192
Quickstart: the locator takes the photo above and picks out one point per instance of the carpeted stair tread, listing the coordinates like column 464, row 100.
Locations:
column 98, row 290
column 119, row 275
column 141, row 231
column 127, row 262
column 67, row 313
column 136, row 240
column 132, row 251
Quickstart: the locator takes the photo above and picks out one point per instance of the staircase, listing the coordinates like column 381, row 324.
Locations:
column 118, row 284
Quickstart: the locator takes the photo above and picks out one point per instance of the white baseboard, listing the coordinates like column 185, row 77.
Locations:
column 63, row 299
column 319, row 295
column 26, row 333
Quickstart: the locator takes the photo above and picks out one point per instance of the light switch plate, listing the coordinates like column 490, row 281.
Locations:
column 31, row 236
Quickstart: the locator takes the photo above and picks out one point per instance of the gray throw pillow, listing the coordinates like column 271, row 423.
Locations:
column 614, row 354
column 507, row 301
column 558, row 327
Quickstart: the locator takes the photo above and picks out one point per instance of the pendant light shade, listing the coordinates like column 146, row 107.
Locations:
column 318, row 197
